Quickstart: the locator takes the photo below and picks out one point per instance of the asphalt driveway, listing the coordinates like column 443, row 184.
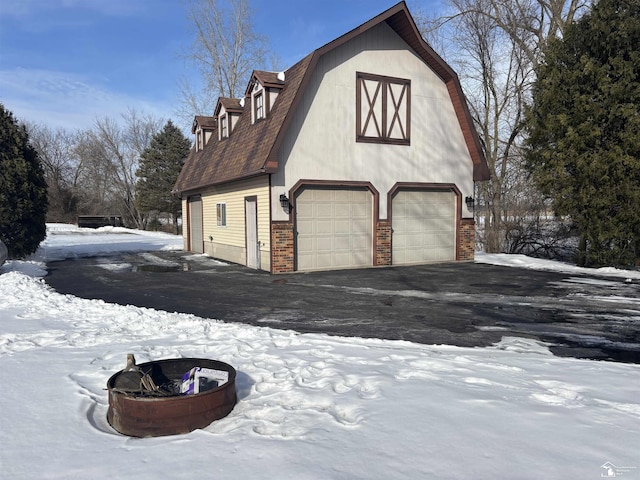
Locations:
column 463, row 304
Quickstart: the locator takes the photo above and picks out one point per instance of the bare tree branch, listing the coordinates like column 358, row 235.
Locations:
column 225, row 50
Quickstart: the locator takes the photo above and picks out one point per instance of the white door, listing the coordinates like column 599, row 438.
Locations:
column 251, row 219
column 424, row 227
column 196, row 238
column 334, row 229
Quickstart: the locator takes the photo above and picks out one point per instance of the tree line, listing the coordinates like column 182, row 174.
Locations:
column 123, row 168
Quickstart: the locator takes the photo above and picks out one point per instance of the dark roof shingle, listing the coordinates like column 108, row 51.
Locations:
column 247, row 150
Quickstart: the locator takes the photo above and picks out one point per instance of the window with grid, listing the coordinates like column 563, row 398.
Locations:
column 259, row 103
column 383, row 106
column 221, row 214
column 224, row 128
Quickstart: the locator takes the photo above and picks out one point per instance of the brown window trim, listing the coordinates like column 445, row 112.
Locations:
column 386, row 98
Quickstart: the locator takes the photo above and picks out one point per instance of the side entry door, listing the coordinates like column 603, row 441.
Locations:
column 251, row 227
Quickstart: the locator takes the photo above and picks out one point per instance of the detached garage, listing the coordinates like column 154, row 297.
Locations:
column 334, row 228
column 424, row 226
column 362, row 154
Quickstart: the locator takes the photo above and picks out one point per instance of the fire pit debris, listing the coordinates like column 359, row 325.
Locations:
column 134, row 380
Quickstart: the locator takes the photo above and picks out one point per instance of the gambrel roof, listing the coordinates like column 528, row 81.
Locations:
column 252, row 149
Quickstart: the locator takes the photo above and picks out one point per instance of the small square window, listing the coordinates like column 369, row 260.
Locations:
column 221, row 214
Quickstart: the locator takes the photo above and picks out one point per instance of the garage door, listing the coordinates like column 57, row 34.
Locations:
column 334, row 229
column 424, row 227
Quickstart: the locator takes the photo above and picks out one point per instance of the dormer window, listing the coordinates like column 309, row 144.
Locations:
column 224, row 127
column 199, row 141
column 228, row 112
column 258, row 101
column 203, row 128
column 263, row 91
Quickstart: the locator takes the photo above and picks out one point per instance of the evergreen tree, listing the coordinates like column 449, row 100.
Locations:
column 159, row 167
column 23, row 190
column 584, row 131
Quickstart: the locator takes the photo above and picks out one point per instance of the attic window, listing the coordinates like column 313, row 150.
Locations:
column 199, row 142
column 258, row 102
column 383, row 112
column 224, row 127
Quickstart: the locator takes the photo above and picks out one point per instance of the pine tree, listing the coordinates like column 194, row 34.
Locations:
column 159, row 167
column 584, row 131
column 23, row 190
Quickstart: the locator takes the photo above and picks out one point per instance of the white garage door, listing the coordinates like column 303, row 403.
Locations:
column 424, row 227
column 334, row 229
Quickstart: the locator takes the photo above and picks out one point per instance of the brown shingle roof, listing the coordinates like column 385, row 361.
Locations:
column 206, row 123
column 246, row 152
column 231, row 105
column 252, row 149
column 268, row 79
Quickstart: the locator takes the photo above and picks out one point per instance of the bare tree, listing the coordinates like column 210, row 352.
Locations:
column 495, row 46
column 93, row 177
column 56, row 151
column 225, row 51
column 531, row 23
column 93, row 172
column 110, row 153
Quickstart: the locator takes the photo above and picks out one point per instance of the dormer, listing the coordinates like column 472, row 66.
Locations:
column 262, row 92
column 227, row 113
column 203, row 128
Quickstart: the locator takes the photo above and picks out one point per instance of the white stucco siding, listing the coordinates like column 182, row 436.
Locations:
column 321, row 142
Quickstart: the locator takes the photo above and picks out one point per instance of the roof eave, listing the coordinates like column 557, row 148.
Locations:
column 197, row 188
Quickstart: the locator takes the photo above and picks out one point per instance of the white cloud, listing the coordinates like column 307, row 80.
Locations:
column 67, row 100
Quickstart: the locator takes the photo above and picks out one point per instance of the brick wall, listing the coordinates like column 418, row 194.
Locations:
column 282, row 260
column 383, row 243
column 467, row 239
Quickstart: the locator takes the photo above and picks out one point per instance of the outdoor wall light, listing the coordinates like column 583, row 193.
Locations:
column 470, row 201
column 284, row 201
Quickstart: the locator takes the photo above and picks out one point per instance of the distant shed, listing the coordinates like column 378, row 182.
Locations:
column 97, row 221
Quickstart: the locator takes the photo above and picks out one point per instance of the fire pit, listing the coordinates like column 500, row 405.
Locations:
column 163, row 410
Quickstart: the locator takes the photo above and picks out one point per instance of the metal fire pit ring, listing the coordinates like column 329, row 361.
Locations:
column 140, row 415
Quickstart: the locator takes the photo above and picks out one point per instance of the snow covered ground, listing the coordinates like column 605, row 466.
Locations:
column 310, row 406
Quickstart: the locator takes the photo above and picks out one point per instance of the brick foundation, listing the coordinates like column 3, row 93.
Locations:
column 467, row 239
column 282, row 256
column 383, row 243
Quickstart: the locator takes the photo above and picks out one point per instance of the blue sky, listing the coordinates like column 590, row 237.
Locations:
column 65, row 63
